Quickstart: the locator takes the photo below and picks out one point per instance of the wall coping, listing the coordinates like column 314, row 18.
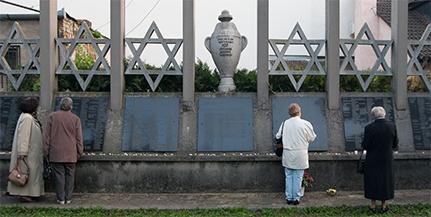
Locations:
column 230, row 157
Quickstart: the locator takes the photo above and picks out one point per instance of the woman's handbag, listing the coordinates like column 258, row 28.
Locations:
column 17, row 177
column 279, row 143
column 360, row 165
column 279, row 150
column 47, row 172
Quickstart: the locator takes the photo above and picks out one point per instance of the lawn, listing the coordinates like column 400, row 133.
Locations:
column 419, row 209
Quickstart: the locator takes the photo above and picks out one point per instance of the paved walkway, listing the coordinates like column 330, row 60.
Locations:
column 214, row 200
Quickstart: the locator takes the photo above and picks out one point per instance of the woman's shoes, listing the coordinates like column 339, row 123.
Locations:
column 25, row 199
column 383, row 210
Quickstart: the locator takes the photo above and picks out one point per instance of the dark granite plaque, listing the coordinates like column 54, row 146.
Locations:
column 92, row 112
column 9, row 114
column 420, row 114
column 312, row 110
column 151, row 124
column 357, row 114
column 225, row 124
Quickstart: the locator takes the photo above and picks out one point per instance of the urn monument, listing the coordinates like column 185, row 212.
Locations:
column 225, row 46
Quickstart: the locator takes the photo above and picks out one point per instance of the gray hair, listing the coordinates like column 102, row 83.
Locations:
column 378, row 112
column 293, row 110
column 66, row 103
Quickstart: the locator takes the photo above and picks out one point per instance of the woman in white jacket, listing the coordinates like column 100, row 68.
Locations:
column 297, row 134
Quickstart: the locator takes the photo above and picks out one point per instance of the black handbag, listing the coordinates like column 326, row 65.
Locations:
column 279, row 143
column 360, row 165
column 47, row 172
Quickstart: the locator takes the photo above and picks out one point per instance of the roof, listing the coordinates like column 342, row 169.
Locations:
column 61, row 14
column 416, row 25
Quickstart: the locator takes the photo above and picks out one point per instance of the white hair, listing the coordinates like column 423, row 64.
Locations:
column 66, row 103
column 378, row 112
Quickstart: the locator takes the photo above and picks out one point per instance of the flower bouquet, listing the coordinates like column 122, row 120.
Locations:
column 307, row 180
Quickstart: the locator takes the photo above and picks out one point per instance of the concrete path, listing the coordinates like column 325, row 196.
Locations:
column 214, row 200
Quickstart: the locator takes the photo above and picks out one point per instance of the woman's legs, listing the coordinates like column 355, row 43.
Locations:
column 293, row 184
column 384, row 204
column 69, row 180
column 297, row 182
column 384, row 208
column 288, row 182
column 373, row 203
column 58, row 173
column 373, row 206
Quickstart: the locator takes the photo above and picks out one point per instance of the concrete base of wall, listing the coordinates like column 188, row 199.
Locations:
column 159, row 173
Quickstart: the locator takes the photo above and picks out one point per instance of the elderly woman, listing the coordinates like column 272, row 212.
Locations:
column 297, row 134
column 380, row 138
column 27, row 145
column 63, row 144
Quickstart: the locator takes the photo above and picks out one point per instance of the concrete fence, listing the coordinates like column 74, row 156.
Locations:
column 223, row 142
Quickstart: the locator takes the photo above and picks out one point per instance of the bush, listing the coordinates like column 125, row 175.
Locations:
column 207, row 80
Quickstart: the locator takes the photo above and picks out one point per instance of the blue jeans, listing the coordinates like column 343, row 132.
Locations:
column 293, row 183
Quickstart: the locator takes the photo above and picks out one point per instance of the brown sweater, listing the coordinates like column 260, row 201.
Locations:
column 63, row 137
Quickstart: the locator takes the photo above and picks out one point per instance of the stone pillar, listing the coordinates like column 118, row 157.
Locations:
column 48, row 55
column 399, row 12
column 262, row 54
column 117, row 53
column 336, row 142
column 263, row 134
column 399, row 17
column 188, row 52
column 187, row 141
column 332, row 53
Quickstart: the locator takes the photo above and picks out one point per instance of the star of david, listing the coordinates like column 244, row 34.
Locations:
column 348, row 53
column 66, row 54
column 414, row 49
column 312, row 57
column 32, row 46
column 170, row 61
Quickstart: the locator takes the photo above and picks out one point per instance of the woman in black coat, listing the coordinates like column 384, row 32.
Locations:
column 380, row 138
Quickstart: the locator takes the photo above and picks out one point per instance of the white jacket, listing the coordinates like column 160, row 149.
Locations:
column 297, row 134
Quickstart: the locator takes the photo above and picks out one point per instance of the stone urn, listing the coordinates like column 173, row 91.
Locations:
column 225, row 46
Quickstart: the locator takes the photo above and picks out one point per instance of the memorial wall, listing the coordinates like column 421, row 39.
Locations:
column 420, row 114
column 223, row 124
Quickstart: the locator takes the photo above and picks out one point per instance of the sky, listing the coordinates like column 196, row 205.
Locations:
column 167, row 14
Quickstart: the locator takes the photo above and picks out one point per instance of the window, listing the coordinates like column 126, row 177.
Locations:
column 13, row 57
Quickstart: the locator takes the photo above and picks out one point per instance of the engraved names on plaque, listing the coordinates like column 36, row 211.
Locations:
column 92, row 112
column 357, row 114
column 312, row 110
column 151, row 124
column 420, row 114
column 9, row 114
column 225, row 124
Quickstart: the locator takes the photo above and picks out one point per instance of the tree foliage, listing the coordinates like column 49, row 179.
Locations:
column 207, row 80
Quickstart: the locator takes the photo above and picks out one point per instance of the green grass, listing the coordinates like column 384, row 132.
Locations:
column 395, row 210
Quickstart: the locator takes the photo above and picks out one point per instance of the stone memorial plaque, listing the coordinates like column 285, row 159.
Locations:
column 9, row 114
column 92, row 112
column 151, row 124
column 225, row 124
column 420, row 114
column 312, row 110
column 357, row 115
